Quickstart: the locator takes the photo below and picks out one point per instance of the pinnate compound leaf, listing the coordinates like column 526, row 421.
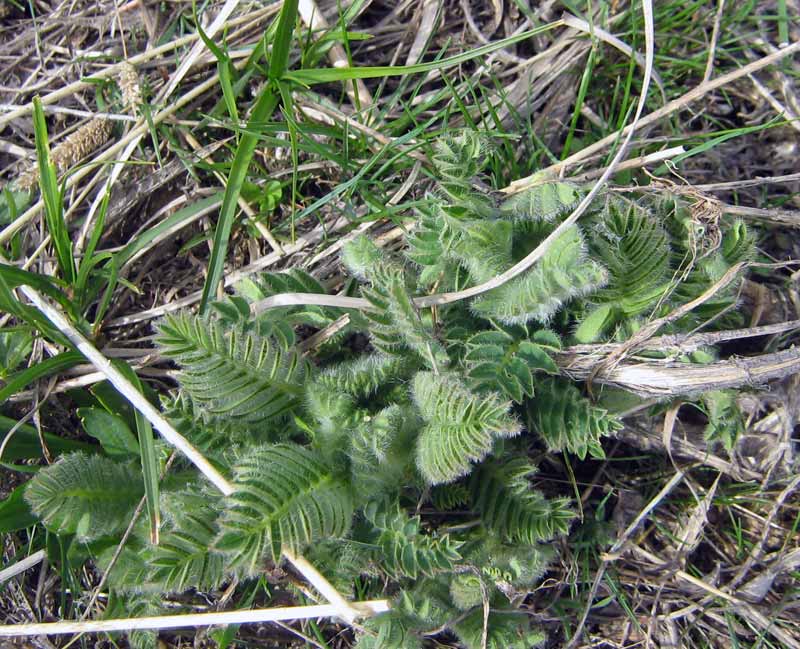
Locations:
column 364, row 376
column 568, row 421
column 285, row 496
column 184, row 557
column 499, row 361
column 506, row 630
column 634, row 248
column 460, row 426
column 402, row 549
column 508, row 504
column 90, row 496
column 234, row 375
column 563, row 273
column 395, row 322
column 543, row 202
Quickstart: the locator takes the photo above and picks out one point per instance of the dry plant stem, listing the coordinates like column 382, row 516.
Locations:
column 22, row 565
column 758, row 549
column 712, row 49
column 323, row 586
column 789, row 218
column 669, row 108
column 110, row 153
column 647, row 439
column 91, row 378
column 77, row 86
column 767, row 624
column 429, row 20
column 199, row 47
column 367, row 608
column 784, row 112
column 679, row 343
column 651, row 379
column 634, row 163
column 753, row 182
column 63, row 110
column 129, row 391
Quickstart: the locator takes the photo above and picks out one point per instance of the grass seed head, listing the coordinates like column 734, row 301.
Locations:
column 131, row 90
column 88, row 138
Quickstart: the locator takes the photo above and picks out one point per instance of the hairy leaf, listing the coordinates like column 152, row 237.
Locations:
column 499, row 361
column 364, row 376
column 506, row 630
column 460, row 426
column 184, row 558
column 502, row 493
column 388, row 631
column 293, row 280
column 564, row 272
column 395, row 322
column 466, row 590
column 285, row 496
column 233, row 375
column 402, row 549
column 635, row 249
column 87, row 495
column 544, row 202
column 567, row 421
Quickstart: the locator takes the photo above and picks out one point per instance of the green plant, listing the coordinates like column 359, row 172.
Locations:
column 352, row 458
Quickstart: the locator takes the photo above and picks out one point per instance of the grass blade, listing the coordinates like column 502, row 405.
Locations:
column 18, row 277
column 226, row 72
column 172, row 222
column 24, row 444
column 48, row 367
column 24, row 313
column 147, row 450
column 89, row 260
column 51, row 195
column 282, row 42
column 14, row 512
column 267, row 101
column 327, row 75
column 265, row 105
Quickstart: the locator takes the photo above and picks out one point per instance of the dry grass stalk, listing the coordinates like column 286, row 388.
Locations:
column 87, row 139
column 367, row 608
